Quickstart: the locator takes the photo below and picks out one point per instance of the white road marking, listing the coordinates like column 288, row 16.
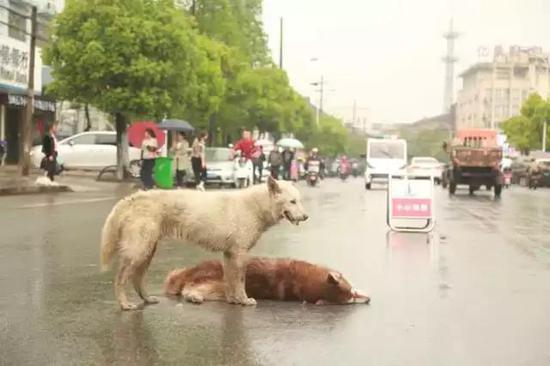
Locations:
column 70, row 202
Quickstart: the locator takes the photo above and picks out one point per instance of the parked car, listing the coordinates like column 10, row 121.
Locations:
column 538, row 174
column 520, row 168
column 426, row 167
column 87, row 150
column 222, row 167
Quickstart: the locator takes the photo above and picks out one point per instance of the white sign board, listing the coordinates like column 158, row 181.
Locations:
column 410, row 205
column 14, row 64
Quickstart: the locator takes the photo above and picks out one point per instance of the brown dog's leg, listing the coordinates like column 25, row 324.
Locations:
column 124, row 272
column 138, row 279
column 209, row 291
column 234, row 277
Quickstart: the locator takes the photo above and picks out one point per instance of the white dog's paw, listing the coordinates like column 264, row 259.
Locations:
column 248, row 301
column 194, row 298
column 128, row 306
column 151, row 300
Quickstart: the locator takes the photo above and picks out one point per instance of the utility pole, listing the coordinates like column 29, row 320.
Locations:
column 321, row 95
column 319, row 108
column 354, row 114
column 281, row 44
column 544, row 136
column 26, row 131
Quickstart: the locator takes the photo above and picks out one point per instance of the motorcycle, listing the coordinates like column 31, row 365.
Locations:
column 313, row 170
column 507, row 175
column 344, row 171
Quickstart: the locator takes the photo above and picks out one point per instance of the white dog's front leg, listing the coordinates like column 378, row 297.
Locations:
column 234, row 276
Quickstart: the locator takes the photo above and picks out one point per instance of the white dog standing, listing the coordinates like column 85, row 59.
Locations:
column 228, row 222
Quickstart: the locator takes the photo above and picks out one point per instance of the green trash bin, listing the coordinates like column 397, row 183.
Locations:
column 163, row 173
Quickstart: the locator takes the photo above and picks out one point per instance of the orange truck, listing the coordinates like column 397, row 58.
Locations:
column 475, row 161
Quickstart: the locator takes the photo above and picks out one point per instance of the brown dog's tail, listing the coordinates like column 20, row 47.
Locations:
column 175, row 282
column 109, row 240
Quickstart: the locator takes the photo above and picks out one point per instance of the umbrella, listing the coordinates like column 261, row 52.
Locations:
column 136, row 133
column 290, row 143
column 264, row 143
column 176, row 125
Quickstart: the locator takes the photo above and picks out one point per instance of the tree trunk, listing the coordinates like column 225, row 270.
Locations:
column 88, row 121
column 121, row 146
column 212, row 130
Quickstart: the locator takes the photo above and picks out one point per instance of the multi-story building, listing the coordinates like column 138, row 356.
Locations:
column 495, row 91
column 15, row 29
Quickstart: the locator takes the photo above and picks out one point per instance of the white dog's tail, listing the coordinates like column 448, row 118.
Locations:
column 109, row 240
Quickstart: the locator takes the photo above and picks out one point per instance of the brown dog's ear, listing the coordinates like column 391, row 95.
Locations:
column 273, row 185
column 333, row 278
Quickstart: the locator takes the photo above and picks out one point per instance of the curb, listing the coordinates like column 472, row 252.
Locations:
column 15, row 191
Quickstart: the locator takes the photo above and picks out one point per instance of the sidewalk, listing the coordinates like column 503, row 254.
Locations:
column 13, row 184
column 69, row 181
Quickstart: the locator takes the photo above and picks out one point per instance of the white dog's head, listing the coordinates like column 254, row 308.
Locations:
column 287, row 201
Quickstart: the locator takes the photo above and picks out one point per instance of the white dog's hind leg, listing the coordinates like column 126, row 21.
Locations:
column 234, row 277
column 120, row 284
column 138, row 279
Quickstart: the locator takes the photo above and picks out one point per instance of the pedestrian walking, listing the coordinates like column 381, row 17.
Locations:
column 258, row 160
column 275, row 161
column 3, row 151
column 198, row 160
column 49, row 149
column 180, row 152
column 288, row 156
column 149, row 148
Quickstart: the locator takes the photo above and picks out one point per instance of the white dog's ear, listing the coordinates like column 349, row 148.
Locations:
column 273, row 185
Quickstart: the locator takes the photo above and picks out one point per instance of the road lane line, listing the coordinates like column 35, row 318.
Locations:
column 70, row 202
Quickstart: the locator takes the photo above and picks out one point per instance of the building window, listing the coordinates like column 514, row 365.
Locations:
column 17, row 24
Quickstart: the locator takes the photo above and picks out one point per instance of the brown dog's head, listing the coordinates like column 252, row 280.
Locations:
column 338, row 290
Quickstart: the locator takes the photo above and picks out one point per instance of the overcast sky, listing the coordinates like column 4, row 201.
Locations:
column 386, row 54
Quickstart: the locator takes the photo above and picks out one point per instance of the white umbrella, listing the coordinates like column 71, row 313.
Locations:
column 290, row 143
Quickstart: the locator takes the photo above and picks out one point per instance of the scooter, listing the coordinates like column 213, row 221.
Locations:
column 312, row 175
column 344, row 171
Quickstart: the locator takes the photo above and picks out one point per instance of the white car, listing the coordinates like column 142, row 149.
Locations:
column 222, row 168
column 385, row 157
column 86, row 150
column 426, row 167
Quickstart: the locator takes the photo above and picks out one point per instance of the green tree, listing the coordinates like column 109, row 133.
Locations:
column 131, row 58
column 525, row 130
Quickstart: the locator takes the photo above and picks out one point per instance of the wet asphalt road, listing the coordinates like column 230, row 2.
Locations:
column 474, row 292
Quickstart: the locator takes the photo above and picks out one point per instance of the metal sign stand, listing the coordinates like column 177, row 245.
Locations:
column 410, row 199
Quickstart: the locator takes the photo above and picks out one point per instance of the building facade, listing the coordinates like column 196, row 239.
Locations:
column 14, row 73
column 495, row 91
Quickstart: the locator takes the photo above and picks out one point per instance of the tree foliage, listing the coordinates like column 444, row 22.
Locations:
column 524, row 131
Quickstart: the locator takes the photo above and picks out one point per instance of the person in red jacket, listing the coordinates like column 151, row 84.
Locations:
column 245, row 145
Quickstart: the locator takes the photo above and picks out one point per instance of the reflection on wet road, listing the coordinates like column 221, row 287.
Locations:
column 474, row 292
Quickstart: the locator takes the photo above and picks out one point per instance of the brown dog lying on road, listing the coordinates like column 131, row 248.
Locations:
column 268, row 279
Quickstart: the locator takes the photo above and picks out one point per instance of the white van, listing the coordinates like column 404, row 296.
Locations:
column 385, row 157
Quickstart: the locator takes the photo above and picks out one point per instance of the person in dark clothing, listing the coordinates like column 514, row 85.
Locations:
column 49, row 149
column 258, row 160
column 275, row 161
column 288, row 156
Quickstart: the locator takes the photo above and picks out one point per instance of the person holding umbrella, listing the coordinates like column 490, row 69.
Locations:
column 180, row 151
column 149, row 147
